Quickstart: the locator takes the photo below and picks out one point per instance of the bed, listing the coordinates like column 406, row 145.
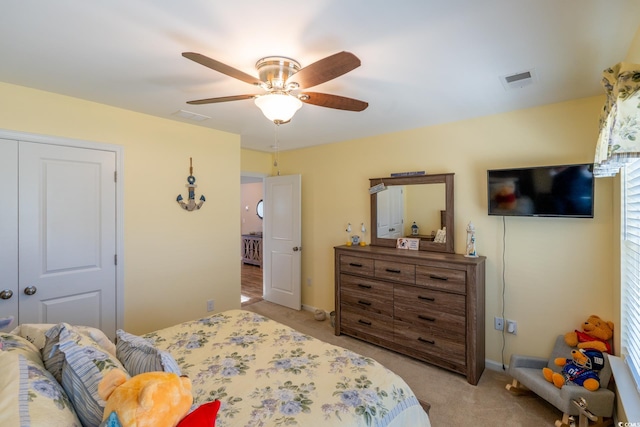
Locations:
column 263, row 372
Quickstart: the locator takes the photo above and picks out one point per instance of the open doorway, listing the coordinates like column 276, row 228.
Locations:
column 251, row 197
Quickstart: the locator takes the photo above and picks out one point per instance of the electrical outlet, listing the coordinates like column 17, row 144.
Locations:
column 512, row 327
column 498, row 323
column 210, row 305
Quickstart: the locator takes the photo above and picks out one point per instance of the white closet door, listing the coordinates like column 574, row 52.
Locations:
column 67, row 229
column 9, row 230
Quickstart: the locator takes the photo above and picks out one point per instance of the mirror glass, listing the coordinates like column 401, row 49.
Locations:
column 426, row 200
column 260, row 209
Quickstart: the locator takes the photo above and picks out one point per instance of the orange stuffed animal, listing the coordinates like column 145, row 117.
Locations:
column 151, row 399
column 582, row 369
column 595, row 333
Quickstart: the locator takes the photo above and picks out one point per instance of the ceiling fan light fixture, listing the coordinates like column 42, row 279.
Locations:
column 278, row 107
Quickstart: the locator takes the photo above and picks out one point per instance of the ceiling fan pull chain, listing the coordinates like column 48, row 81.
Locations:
column 276, row 147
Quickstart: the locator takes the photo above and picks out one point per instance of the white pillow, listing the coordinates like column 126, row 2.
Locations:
column 35, row 333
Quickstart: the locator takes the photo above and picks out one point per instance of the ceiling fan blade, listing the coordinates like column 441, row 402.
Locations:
column 220, row 99
column 334, row 101
column 325, row 69
column 222, row 68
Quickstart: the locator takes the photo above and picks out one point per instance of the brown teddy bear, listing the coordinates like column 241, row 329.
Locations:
column 595, row 333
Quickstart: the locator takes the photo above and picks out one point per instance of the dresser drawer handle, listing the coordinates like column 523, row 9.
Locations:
column 433, row 276
column 364, row 322
column 355, row 264
column 426, row 298
column 426, row 341
column 360, row 285
column 427, row 318
column 391, row 270
column 364, row 302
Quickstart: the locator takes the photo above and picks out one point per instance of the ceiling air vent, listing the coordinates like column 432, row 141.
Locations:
column 518, row 80
column 190, row 116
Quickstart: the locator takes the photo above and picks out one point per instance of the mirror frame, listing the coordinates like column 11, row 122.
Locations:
column 425, row 245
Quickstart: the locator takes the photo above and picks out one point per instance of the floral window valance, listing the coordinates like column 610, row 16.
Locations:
column 619, row 139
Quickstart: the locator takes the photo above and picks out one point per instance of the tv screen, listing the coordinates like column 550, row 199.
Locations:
column 556, row 191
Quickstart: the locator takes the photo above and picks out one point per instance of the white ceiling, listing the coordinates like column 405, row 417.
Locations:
column 424, row 62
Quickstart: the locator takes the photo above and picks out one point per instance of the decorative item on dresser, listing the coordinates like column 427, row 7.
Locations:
column 426, row 305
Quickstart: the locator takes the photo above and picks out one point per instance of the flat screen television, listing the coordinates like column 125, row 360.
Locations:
column 554, row 191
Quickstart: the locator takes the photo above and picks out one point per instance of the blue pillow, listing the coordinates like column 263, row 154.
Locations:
column 139, row 355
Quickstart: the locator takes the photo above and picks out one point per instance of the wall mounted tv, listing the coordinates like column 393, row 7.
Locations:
column 554, row 191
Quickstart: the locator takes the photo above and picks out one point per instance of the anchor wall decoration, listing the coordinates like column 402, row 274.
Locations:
column 191, row 204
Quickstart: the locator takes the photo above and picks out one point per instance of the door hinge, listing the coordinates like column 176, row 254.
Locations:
column 115, row 176
column 115, row 259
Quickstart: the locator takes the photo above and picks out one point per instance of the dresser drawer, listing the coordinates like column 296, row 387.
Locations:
column 369, row 295
column 442, row 278
column 432, row 342
column 396, row 271
column 413, row 300
column 355, row 321
column 356, row 265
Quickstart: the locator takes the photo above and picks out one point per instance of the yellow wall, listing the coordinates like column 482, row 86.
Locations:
column 256, row 162
column 174, row 260
column 558, row 271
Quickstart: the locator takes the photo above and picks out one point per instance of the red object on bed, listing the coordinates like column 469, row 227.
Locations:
column 203, row 415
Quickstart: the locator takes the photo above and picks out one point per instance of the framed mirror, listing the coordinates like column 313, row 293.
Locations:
column 260, row 209
column 426, row 200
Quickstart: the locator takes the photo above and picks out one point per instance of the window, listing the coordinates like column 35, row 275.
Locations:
column 630, row 259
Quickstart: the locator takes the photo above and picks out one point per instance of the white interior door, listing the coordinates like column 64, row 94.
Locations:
column 390, row 212
column 396, row 214
column 282, row 241
column 9, row 230
column 67, row 229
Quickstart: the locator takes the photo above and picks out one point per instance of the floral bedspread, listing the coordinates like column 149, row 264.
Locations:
column 267, row 374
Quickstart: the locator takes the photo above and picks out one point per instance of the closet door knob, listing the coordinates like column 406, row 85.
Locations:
column 6, row 294
column 30, row 290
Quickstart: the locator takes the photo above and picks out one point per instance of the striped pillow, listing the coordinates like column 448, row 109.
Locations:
column 48, row 342
column 29, row 395
column 85, row 364
column 139, row 355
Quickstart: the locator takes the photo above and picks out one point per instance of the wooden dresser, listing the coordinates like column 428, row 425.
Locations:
column 427, row 305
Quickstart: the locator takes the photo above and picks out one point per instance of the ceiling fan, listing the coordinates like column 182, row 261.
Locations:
column 285, row 84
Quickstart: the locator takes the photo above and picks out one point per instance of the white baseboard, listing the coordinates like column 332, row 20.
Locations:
column 495, row 366
column 312, row 309
column 306, row 307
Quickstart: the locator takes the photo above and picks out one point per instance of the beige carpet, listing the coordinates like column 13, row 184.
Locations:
column 453, row 401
